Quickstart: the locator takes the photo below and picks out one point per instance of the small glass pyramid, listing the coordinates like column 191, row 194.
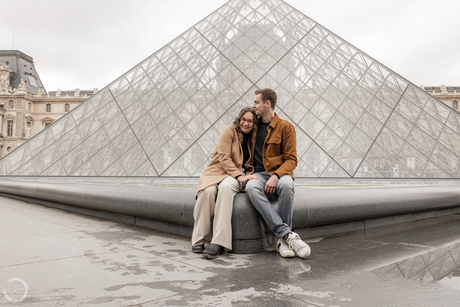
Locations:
column 354, row 117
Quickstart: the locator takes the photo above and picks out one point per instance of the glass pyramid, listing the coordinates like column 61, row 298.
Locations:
column 354, row 117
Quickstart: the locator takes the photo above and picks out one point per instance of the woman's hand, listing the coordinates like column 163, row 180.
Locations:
column 243, row 179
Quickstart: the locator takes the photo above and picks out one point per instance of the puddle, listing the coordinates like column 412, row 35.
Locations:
column 451, row 281
column 441, row 265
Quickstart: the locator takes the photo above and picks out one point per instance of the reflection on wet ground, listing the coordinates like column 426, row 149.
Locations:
column 427, row 267
column 72, row 260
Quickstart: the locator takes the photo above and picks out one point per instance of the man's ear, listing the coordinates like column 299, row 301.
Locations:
column 268, row 104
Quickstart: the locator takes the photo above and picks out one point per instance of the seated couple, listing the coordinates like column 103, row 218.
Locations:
column 257, row 152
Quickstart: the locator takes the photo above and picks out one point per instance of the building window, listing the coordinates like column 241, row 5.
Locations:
column 47, row 124
column 11, row 104
column 67, row 107
column 9, row 127
column 48, row 107
column 30, row 107
column 32, row 81
column 455, row 105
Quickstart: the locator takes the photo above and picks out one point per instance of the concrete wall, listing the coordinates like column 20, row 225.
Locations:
column 317, row 211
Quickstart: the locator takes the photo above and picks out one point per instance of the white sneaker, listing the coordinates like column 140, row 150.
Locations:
column 283, row 249
column 300, row 247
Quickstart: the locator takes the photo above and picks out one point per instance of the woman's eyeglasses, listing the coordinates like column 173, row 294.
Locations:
column 250, row 122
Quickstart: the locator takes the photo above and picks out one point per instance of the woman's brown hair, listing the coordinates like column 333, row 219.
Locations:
column 237, row 124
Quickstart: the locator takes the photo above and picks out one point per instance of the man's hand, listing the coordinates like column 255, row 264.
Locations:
column 270, row 186
column 246, row 178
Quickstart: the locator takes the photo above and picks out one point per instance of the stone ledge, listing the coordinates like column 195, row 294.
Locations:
column 316, row 212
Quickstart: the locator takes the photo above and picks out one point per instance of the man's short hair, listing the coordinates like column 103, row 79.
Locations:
column 268, row 94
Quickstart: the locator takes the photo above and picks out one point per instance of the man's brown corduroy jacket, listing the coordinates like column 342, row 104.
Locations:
column 280, row 148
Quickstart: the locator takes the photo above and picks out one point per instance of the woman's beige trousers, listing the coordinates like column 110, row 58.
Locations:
column 217, row 201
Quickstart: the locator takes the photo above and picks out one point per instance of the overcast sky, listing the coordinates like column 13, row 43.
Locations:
column 89, row 43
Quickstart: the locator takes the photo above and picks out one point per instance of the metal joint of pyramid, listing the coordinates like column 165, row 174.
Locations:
column 354, row 117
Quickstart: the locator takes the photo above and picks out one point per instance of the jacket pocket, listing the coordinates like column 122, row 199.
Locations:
column 273, row 147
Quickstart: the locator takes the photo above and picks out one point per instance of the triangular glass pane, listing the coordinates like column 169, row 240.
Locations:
column 388, row 96
column 333, row 96
column 46, row 158
column 103, row 159
column 295, row 110
column 421, row 141
column 366, row 170
column 143, row 126
column 340, row 125
column 302, row 170
column 446, row 159
column 311, row 125
column 57, row 169
column 434, row 171
column 39, row 142
column 145, row 170
column 359, row 141
column 412, row 159
column 329, row 141
column 316, row 159
column 208, row 141
column 369, row 125
column 379, row 110
column 450, row 139
column 417, row 96
column 116, row 169
column 453, row 122
column 333, row 170
column 390, row 141
column 328, row 72
column 198, row 125
column 15, row 158
column 348, row 159
column 361, row 96
column 26, row 169
column 399, row 171
column 351, row 110
column 398, row 124
column 303, row 141
column 323, row 110
column 66, row 144
column 96, row 141
column 190, row 161
column 152, row 142
column 408, row 109
column 429, row 124
column 85, row 169
column 124, row 142
column 380, row 160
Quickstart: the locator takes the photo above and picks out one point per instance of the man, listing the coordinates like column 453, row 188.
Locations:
column 275, row 158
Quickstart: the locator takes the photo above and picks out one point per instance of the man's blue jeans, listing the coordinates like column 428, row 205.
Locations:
column 279, row 222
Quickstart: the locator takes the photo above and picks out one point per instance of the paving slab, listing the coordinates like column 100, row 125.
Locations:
column 67, row 259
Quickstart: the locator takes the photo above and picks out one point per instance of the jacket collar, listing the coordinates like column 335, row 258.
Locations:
column 274, row 121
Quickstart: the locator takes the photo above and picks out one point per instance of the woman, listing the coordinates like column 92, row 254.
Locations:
column 225, row 176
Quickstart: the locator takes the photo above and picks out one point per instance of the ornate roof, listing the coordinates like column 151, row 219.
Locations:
column 22, row 67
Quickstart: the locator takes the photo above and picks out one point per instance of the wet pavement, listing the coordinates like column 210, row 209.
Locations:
column 66, row 259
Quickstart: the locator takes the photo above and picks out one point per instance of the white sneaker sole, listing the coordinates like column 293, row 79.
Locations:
column 286, row 253
column 305, row 252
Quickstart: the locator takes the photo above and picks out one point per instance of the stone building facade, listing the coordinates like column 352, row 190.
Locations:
column 25, row 106
column 450, row 95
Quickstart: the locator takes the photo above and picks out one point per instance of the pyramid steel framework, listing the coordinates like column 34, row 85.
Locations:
column 354, row 117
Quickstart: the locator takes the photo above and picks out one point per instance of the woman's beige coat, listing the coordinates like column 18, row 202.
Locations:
column 227, row 160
